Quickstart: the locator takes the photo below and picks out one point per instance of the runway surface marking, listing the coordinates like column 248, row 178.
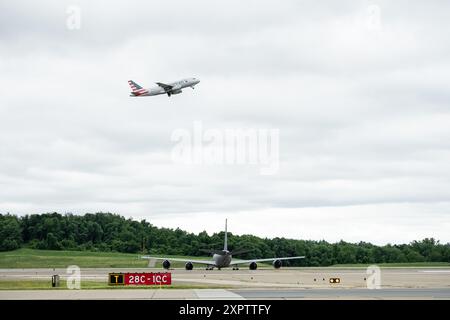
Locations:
column 439, row 293
column 211, row 294
column 238, row 294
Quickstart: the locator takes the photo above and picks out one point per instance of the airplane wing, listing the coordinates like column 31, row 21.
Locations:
column 210, row 262
column 166, row 87
column 235, row 262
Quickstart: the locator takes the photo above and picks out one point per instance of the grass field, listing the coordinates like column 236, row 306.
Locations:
column 396, row 265
column 31, row 258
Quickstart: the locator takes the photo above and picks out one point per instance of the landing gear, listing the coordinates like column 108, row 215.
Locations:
column 235, row 268
column 209, row 268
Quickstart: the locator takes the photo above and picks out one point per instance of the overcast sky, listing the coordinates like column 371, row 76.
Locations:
column 359, row 91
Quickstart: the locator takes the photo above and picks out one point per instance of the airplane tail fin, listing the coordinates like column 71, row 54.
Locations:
column 225, row 245
column 134, row 86
column 136, row 89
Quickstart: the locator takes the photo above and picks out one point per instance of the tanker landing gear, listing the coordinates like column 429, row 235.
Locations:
column 235, row 268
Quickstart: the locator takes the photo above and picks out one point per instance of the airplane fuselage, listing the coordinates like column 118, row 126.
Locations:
column 177, row 87
column 222, row 260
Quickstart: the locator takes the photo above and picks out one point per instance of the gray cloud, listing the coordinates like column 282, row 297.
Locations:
column 362, row 111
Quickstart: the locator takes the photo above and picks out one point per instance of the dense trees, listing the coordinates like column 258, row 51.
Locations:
column 109, row 232
column 10, row 233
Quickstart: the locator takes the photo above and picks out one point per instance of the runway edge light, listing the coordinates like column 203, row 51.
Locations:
column 335, row 280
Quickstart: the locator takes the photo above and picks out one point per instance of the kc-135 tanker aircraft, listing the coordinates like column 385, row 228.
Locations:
column 222, row 259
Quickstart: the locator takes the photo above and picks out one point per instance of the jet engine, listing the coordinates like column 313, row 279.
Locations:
column 188, row 266
column 253, row 266
column 166, row 264
column 277, row 264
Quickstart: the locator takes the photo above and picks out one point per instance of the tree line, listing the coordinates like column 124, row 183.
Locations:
column 110, row 232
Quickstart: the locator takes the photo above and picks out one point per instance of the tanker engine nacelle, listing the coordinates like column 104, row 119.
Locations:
column 253, row 266
column 189, row 266
column 277, row 264
column 166, row 264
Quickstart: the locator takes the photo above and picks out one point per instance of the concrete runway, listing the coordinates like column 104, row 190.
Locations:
column 287, row 283
column 222, row 294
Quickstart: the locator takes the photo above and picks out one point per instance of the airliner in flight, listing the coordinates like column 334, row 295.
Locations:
column 222, row 259
column 162, row 88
